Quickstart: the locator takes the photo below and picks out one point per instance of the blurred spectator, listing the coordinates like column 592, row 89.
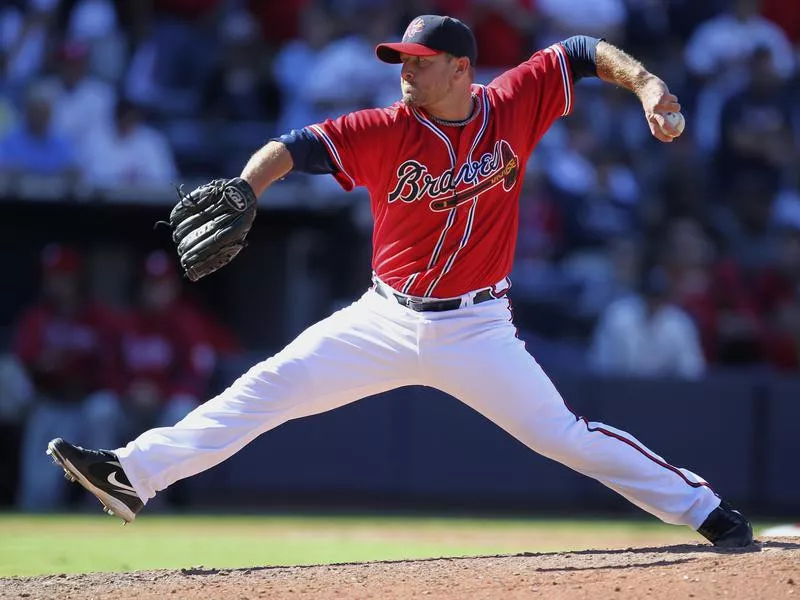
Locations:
column 745, row 224
column 16, row 390
column 617, row 120
column 599, row 18
column 16, row 396
column 504, row 31
column 686, row 15
column 778, row 297
column 294, row 61
column 127, row 153
column 714, row 292
column 782, row 340
column 33, row 146
column 756, row 126
column 786, row 209
column 540, row 221
column 539, row 240
column 241, row 100
column 786, row 15
column 648, row 27
column 280, row 21
column 64, row 342
column 599, row 198
column 646, row 335
column 779, row 283
column 683, row 182
column 94, row 24
column 728, row 40
column 346, row 77
column 82, row 104
column 167, row 354
column 8, row 116
column 171, row 64
column 240, row 88
column 720, row 53
column 24, row 29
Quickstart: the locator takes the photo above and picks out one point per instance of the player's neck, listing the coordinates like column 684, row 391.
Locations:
column 458, row 108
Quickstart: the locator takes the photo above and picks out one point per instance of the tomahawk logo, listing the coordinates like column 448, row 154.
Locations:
column 448, row 190
column 414, row 28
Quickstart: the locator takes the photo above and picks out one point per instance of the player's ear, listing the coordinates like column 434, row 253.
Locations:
column 462, row 65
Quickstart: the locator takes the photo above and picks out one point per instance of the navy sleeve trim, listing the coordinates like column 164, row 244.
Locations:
column 309, row 154
column 582, row 55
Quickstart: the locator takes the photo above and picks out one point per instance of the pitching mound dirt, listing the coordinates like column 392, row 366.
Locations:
column 769, row 570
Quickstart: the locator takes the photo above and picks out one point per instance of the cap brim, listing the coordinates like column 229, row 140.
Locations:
column 390, row 53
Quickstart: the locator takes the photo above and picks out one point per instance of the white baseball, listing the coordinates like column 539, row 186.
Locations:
column 676, row 120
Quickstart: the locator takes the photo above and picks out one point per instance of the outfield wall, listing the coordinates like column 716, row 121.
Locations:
column 417, row 447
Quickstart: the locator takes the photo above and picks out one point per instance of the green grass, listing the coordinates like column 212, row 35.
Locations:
column 31, row 545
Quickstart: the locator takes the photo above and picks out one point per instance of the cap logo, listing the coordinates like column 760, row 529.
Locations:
column 414, row 28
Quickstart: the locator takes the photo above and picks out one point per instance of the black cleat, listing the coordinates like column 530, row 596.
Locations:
column 727, row 528
column 101, row 474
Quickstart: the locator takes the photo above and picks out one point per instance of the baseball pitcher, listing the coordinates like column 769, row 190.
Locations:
column 444, row 168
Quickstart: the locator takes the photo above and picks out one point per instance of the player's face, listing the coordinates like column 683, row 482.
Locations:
column 426, row 80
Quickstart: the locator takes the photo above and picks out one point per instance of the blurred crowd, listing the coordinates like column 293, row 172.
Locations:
column 634, row 257
column 85, row 370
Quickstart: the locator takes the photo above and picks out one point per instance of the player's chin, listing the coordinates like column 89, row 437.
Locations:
column 410, row 98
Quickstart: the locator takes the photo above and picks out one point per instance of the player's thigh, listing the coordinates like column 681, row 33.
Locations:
column 492, row 372
column 356, row 352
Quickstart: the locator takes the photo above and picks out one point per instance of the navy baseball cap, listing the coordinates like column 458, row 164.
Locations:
column 429, row 35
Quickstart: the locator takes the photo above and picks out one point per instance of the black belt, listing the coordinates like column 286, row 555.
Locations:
column 431, row 304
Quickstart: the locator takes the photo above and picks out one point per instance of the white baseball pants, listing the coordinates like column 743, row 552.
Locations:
column 375, row 345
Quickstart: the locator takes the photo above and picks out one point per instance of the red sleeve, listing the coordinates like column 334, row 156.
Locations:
column 539, row 90
column 358, row 144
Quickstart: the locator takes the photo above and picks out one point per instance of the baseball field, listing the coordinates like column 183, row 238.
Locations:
column 321, row 557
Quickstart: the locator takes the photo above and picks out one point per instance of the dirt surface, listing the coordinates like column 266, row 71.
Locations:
column 770, row 570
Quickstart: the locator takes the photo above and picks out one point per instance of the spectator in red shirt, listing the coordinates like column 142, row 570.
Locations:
column 504, row 32
column 784, row 14
column 63, row 343
column 168, row 350
column 782, row 338
column 279, row 21
column 778, row 296
column 779, row 282
column 714, row 292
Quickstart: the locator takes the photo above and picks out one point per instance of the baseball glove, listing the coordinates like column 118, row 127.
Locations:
column 210, row 223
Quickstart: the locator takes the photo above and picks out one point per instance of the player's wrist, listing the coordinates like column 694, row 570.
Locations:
column 645, row 81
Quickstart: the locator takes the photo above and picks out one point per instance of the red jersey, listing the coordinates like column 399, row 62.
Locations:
column 67, row 357
column 445, row 199
column 166, row 350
